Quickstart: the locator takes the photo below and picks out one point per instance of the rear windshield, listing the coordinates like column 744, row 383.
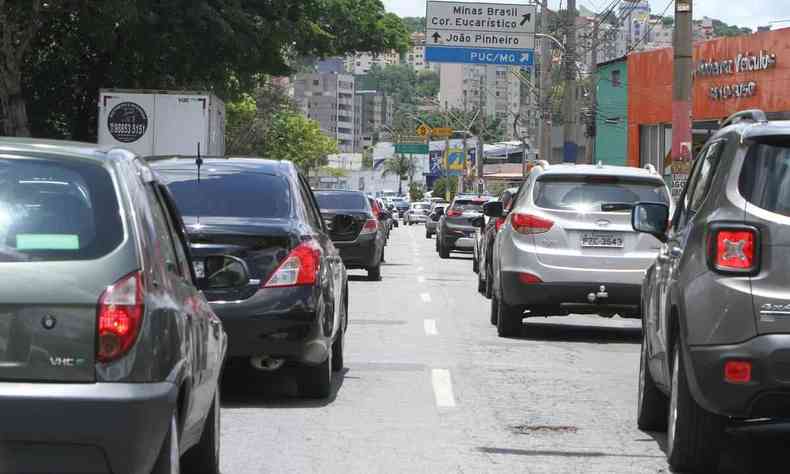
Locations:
column 590, row 193
column 765, row 178
column 56, row 210
column 421, row 206
column 346, row 201
column 468, row 205
column 229, row 193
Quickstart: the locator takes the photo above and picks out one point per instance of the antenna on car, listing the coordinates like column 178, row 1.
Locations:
column 198, row 162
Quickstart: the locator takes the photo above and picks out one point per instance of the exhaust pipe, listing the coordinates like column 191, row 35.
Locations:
column 266, row 363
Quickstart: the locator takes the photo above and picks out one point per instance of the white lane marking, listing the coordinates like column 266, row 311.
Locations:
column 420, row 269
column 443, row 388
column 430, row 327
column 420, row 279
column 426, row 297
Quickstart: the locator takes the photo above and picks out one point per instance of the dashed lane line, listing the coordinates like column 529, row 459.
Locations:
column 430, row 327
column 443, row 388
column 426, row 297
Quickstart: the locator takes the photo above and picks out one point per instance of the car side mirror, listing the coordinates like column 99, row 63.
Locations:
column 221, row 272
column 494, row 209
column 651, row 218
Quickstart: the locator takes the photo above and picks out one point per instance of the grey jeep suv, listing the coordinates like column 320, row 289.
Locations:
column 109, row 354
column 716, row 303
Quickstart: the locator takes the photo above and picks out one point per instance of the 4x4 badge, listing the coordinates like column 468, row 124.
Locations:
column 49, row 321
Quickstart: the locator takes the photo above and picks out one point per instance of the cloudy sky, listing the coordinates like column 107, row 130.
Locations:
column 750, row 13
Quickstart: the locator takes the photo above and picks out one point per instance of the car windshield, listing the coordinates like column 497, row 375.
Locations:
column 421, row 206
column 229, row 193
column 586, row 194
column 57, row 210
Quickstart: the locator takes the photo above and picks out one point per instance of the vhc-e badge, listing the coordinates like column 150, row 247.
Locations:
column 49, row 322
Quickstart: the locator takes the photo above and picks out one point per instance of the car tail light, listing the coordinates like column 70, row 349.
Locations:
column 120, row 311
column 454, row 213
column 500, row 221
column 371, row 226
column 734, row 249
column 300, row 268
column 528, row 279
column 737, row 371
column 529, row 224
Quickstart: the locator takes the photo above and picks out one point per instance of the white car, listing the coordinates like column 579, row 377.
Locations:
column 418, row 212
column 568, row 246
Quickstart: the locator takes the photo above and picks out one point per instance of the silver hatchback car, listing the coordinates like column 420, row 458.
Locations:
column 568, row 247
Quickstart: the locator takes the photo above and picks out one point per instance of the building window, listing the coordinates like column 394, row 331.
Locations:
column 616, row 78
column 316, row 82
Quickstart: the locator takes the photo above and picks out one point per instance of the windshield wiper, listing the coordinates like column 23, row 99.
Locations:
column 616, row 206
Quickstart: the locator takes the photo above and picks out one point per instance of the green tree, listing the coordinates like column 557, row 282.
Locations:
column 442, row 185
column 248, row 118
column 59, row 54
column 414, row 24
column 401, row 166
column 415, row 192
column 294, row 137
column 427, row 84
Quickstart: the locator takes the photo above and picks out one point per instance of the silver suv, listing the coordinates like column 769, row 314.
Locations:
column 567, row 245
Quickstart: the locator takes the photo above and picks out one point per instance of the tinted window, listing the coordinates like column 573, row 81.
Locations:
column 163, row 245
column 468, row 205
column 706, row 173
column 349, row 201
column 57, row 211
column 589, row 193
column 765, row 178
column 229, row 193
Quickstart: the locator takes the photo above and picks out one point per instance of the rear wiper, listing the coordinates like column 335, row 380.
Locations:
column 616, row 206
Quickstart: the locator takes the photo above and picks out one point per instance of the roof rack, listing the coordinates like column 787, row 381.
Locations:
column 753, row 115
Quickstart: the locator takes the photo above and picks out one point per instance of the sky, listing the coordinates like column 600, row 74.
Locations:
column 749, row 13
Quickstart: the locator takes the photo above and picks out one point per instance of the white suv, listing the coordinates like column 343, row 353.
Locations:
column 568, row 247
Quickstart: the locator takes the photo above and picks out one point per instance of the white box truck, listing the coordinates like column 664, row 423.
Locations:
column 155, row 123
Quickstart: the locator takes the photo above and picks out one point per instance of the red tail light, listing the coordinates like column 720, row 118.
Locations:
column 528, row 279
column 454, row 213
column 529, row 224
column 500, row 221
column 300, row 268
column 120, row 311
column 738, row 371
column 371, row 226
column 734, row 249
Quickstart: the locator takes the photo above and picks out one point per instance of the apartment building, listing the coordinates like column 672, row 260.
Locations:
column 416, row 55
column 373, row 111
column 361, row 63
column 328, row 98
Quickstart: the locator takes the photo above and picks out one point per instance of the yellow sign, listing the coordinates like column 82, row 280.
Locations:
column 423, row 130
column 442, row 132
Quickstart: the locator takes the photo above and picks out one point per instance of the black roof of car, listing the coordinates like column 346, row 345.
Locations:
column 258, row 165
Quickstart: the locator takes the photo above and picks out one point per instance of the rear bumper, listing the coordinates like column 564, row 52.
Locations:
column 547, row 299
column 83, row 428
column 362, row 253
column 766, row 396
column 279, row 322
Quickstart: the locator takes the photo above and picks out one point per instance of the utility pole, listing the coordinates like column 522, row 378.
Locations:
column 593, row 126
column 570, row 147
column 545, row 86
column 681, row 95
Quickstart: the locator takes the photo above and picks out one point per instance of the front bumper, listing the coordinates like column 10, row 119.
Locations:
column 83, row 428
column 558, row 298
column 279, row 322
column 766, row 396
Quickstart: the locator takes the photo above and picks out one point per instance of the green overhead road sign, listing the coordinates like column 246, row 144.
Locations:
column 411, row 148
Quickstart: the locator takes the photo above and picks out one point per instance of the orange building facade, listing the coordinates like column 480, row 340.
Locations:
column 730, row 74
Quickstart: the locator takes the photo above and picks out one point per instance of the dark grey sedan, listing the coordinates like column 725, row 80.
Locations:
column 109, row 353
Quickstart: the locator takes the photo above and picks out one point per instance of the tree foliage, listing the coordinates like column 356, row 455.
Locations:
column 442, row 185
column 414, row 24
column 402, row 166
column 723, row 29
column 248, row 118
column 415, row 192
column 67, row 50
column 296, row 138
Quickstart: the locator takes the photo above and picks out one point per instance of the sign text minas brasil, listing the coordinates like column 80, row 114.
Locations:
column 482, row 23
column 742, row 63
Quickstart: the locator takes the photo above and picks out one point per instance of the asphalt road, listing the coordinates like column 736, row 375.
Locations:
column 429, row 387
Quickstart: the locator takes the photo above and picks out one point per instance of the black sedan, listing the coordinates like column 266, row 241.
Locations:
column 295, row 306
column 484, row 243
column 360, row 235
column 456, row 229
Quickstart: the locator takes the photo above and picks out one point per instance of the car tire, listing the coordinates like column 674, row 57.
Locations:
column 509, row 320
column 481, row 285
column 475, row 265
column 427, row 234
column 489, row 284
column 374, row 273
column 652, row 405
column 382, row 254
column 494, row 311
column 316, row 382
column 338, row 346
column 168, row 461
column 694, row 435
column 444, row 252
column 203, row 458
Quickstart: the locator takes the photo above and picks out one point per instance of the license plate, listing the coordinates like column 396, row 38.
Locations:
column 602, row 240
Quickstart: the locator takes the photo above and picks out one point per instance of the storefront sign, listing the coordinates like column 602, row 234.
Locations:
column 742, row 63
